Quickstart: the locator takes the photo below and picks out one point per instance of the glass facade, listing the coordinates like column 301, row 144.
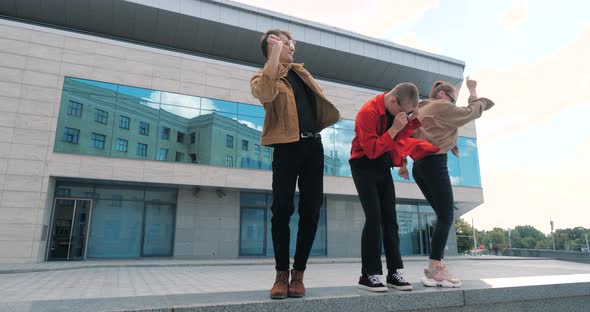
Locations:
column 255, row 225
column 221, row 133
column 125, row 221
column 416, row 222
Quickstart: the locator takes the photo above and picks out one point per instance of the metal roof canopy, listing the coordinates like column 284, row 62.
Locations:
column 231, row 31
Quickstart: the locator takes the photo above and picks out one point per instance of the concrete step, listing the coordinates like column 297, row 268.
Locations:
column 477, row 295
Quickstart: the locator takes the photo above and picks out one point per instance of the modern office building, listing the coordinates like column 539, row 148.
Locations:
column 127, row 130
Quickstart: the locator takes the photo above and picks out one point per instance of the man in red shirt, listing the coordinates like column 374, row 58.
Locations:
column 382, row 129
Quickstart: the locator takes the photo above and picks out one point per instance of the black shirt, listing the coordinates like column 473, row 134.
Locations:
column 305, row 101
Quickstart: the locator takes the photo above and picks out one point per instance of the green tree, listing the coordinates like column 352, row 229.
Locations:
column 464, row 236
column 544, row 244
column 526, row 236
column 570, row 239
column 498, row 239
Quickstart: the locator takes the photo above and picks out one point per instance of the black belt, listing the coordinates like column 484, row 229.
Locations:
column 310, row 135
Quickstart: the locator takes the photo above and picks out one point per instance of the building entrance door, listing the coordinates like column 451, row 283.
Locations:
column 69, row 229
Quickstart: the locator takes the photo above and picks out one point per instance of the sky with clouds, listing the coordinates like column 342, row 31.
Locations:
column 531, row 58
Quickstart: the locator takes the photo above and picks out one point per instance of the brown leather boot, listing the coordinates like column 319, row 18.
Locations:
column 296, row 287
column 280, row 289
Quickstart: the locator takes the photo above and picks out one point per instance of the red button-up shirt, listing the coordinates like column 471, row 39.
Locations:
column 372, row 140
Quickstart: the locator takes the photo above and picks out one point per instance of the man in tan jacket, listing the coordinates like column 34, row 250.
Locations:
column 296, row 110
column 441, row 119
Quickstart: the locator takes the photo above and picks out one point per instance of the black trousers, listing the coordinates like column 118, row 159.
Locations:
column 301, row 162
column 374, row 185
column 432, row 176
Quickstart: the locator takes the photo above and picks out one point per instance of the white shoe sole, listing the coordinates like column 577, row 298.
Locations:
column 404, row 288
column 434, row 283
column 373, row 289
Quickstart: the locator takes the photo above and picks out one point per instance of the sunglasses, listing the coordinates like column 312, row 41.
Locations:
column 453, row 100
column 290, row 44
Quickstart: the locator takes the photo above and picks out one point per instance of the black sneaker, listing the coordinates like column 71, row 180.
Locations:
column 371, row 283
column 398, row 282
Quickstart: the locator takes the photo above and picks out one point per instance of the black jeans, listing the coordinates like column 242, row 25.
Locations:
column 303, row 160
column 432, row 176
column 374, row 185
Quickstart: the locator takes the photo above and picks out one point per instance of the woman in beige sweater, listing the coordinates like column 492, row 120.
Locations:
column 441, row 119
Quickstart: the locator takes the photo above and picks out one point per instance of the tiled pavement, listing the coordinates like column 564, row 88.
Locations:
column 168, row 277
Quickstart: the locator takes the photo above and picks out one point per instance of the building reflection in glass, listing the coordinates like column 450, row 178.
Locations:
column 110, row 120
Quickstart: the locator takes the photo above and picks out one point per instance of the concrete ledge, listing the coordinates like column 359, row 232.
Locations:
column 576, row 256
column 475, row 296
column 525, row 293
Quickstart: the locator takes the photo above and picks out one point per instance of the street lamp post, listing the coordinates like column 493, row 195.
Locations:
column 509, row 238
column 552, row 235
column 474, row 238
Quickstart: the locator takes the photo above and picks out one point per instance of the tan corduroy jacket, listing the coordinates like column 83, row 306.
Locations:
column 441, row 120
column 281, row 123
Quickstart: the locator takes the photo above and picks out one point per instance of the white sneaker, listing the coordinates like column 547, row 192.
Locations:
column 440, row 276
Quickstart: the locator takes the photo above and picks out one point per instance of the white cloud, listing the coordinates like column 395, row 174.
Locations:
column 532, row 94
column 249, row 124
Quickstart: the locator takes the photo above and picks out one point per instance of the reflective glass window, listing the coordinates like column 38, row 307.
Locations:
column 229, row 161
column 101, row 116
column 144, row 128
column 158, row 229
column 124, row 122
column 122, row 145
column 162, row 154
column 219, row 106
column 180, row 137
column 98, row 140
column 75, row 109
column 454, row 169
column 115, row 230
column 126, row 221
column 142, row 149
column 181, row 100
column 165, row 135
column 229, row 141
column 250, row 110
column 255, row 226
column 71, row 135
column 252, row 231
column 90, row 86
column 216, row 129
column 469, row 166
